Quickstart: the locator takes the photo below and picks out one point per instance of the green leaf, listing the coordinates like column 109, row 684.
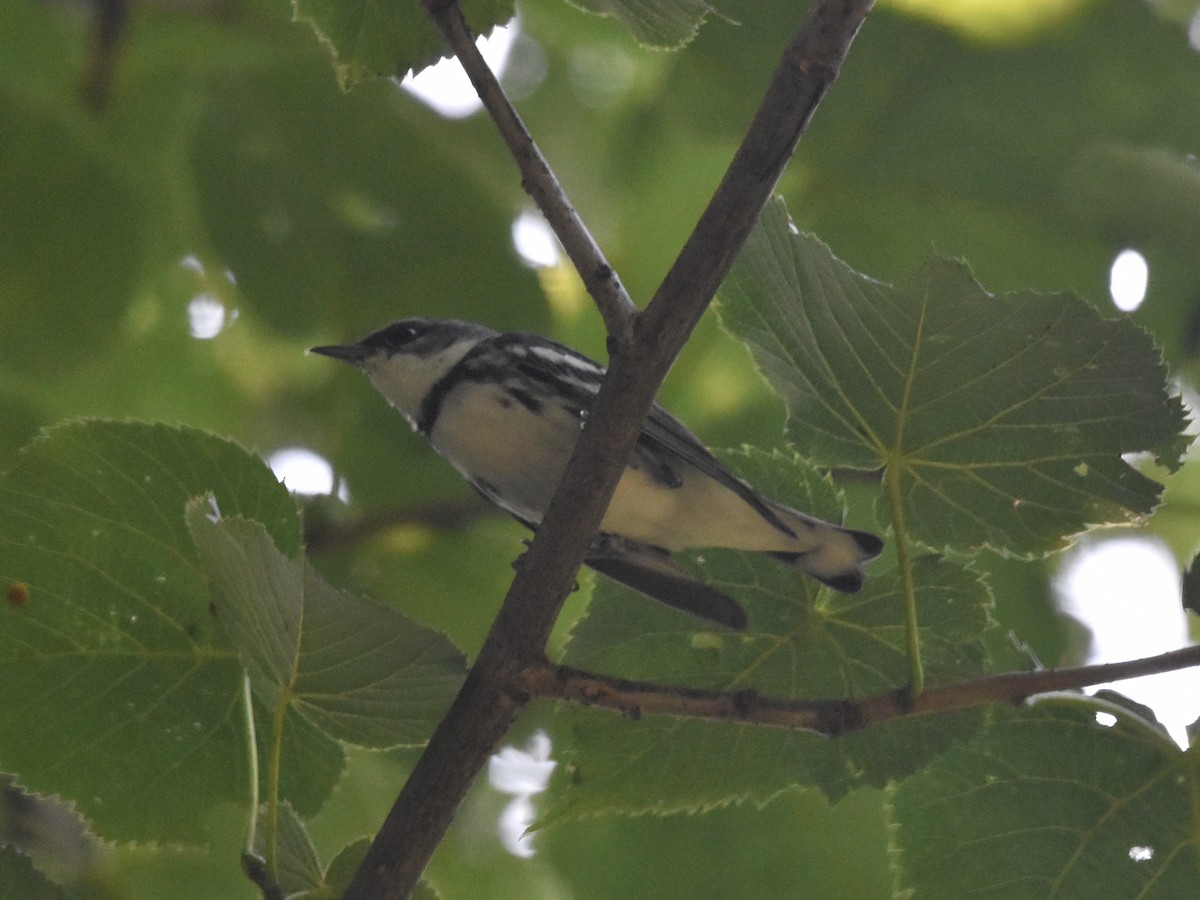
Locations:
column 297, row 866
column 1131, row 713
column 320, row 230
column 208, row 872
column 50, row 832
column 311, row 763
column 1157, row 192
column 337, row 877
column 1002, row 419
column 121, row 691
column 105, row 268
column 342, row 868
column 19, row 880
column 1049, row 803
column 797, row 846
column 661, row 24
column 357, row 670
column 388, row 37
column 804, row 642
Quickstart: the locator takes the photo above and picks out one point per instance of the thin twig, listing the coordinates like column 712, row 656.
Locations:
column 600, row 279
column 491, row 696
column 831, row 718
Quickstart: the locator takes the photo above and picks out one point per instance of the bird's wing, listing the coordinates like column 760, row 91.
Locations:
column 569, row 375
column 664, row 439
column 665, row 445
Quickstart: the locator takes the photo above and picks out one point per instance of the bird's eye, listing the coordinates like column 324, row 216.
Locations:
column 392, row 338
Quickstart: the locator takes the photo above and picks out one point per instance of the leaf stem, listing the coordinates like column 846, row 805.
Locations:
column 252, row 762
column 912, row 634
column 271, row 840
column 255, row 867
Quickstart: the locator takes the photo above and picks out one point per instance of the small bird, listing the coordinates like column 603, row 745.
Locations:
column 506, row 409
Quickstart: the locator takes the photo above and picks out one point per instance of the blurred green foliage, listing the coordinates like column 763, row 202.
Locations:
column 218, row 162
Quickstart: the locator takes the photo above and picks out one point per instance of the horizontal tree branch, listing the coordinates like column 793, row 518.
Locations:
column 547, row 680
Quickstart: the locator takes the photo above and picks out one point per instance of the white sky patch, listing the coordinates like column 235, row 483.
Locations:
column 521, row 774
column 445, row 87
column 1126, row 590
column 306, row 472
column 1128, row 279
column 535, row 241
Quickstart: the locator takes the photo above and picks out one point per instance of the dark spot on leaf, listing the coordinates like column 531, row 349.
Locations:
column 17, row 594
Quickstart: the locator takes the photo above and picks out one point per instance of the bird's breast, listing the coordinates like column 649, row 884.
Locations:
column 512, row 438
column 513, row 442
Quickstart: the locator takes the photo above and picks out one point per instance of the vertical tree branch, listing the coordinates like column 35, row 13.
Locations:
column 490, row 698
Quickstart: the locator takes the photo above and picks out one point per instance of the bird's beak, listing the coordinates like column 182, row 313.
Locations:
column 351, row 353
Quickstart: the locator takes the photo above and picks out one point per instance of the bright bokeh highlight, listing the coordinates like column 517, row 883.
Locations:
column 521, row 774
column 207, row 314
column 445, row 87
column 535, row 241
column 304, row 472
column 1128, row 279
column 206, row 317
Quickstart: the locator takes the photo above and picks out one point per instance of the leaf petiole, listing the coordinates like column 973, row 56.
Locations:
column 912, row 636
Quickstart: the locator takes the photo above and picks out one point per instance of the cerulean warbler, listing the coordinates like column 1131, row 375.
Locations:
column 506, row 410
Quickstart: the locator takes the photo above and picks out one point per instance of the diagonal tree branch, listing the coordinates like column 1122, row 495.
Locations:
column 538, row 179
column 492, row 695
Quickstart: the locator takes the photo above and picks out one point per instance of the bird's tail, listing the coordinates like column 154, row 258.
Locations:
column 652, row 572
column 835, row 557
column 837, row 554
